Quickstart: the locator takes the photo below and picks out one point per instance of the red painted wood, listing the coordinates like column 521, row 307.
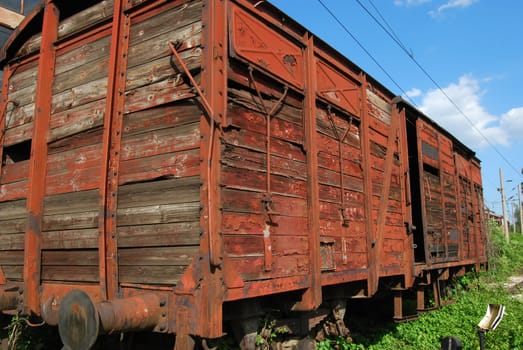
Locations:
column 38, row 161
column 111, row 149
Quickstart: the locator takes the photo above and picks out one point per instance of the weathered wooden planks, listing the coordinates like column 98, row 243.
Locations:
column 20, row 110
column 76, row 23
column 264, row 239
column 342, row 198
column 12, row 228
column 153, row 75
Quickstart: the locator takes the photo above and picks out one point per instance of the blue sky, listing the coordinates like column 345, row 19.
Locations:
column 473, row 49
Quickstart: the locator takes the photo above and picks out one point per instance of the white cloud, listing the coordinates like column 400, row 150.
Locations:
column 412, row 93
column 466, row 94
column 452, row 4
column 512, row 123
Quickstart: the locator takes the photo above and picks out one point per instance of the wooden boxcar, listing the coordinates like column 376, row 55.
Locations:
column 174, row 165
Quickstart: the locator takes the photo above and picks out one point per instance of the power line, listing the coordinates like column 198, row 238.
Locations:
column 394, row 37
column 365, row 50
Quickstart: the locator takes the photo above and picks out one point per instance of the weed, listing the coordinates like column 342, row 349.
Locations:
column 472, row 292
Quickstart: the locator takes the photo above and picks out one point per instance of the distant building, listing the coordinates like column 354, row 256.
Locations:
column 491, row 216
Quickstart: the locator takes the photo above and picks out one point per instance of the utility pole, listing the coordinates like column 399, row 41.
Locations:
column 520, row 209
column 504, row 205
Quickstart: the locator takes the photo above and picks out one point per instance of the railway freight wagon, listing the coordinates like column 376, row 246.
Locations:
column 174, row 166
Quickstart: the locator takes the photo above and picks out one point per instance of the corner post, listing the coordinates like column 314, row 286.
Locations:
column 112, row 136
column 214, row 86
column 312, row 297
column 372, row 256
column 38, row 161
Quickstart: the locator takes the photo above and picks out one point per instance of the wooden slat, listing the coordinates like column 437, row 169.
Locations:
column 252, row 202
column 161, row 69
column 179, row 164
column 76, row 120
column 13, row 191
column 70, row 273
column 248, row 223
column 160, row 275
column 157, row 94
column 161, row 141
column 70, row 257
column 153, row 235
column 13, row 273
column 12, row 210
column 21, row 132
column 73, row 202
column 281, row 128
column 24, row 96
column 12, row 258
column 82, row 57
column 178, row 17
column 252, row 268
column 70, row 239
column 255, row 181
column 79, row 95
column 289, row 110
column 15, row 172
column 79, row 180
column 65, row 221
column 246, row 159
column 89, row 17
column 157, row 256
column 161, row 117
column 166, row 191
column 255, row 141
column 24, row 75
column 12, row 226
column 329, row 145
column 159, row 214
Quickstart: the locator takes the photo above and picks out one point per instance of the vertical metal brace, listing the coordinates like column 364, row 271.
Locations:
column 372, row 258
column 382, row 211
column 3, row 110
column 205, row 104
column 2, row 276
column 343, row 205
column 38, row 161
column 112, row 137
column 267, row 198
column 208, row 300
column 444, row 229
column 312, row 297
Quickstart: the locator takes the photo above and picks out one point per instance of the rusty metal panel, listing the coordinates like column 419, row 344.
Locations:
column 263, row 46
column 337, row 88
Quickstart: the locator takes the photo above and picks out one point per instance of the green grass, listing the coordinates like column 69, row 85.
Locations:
column 472, row 293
